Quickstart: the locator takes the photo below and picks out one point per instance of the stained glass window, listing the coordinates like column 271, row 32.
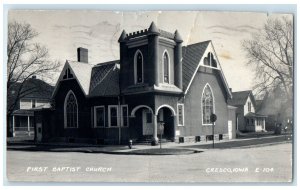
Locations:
column 207, row 105
column 71, row 111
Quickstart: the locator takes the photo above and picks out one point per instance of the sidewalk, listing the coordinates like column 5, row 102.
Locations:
column 123, row 149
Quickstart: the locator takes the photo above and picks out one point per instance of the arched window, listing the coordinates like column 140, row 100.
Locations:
column 207, row 104
column 138, row 67
column 71, row 110
column 166, row 67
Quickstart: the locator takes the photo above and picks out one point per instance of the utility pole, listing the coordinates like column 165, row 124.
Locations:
column 213, row 118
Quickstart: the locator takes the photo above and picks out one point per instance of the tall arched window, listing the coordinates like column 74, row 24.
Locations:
column 138, row 67
column 207, row 104
column 166, row 67
column 71, row 110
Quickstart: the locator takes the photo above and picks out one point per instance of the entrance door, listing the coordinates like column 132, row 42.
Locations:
column 230, row 129
column 147, row 122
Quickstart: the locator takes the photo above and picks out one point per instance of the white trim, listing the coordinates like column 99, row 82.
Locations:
column 95, row 116
column 223, row 77
column 122, row 122
column 65, row 116
column 180, row 104
column 168, row 106
column 109, row 118
column 135, row 67
column 60, row 78
column 210, row 60
column 33, row 100
column 138, row 107
column 163, row 67
column 218, row 64
column 207, row 84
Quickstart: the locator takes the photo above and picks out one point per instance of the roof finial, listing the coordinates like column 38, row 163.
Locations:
column 123, row 36
column 177, row 37
column 153, row 29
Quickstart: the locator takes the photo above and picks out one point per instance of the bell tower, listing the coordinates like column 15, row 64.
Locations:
column 150, row 61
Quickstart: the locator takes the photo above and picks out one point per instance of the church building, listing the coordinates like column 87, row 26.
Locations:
column 158, row 87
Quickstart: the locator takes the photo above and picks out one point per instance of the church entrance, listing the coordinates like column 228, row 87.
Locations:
column 167, row 118
column 142, row 125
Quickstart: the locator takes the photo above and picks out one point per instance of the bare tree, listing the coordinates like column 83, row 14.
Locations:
column 24, row 60
column 271, row 52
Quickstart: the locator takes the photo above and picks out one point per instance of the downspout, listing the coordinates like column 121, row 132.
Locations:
column 119, row 118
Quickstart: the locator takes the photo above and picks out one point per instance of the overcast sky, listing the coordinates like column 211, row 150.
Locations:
column 63, row 31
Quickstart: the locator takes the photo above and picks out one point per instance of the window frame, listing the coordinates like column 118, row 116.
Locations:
column 135, row 67
column 122, row 116
column 213, row 102
column 33, row 102
column 65, row 111
column 249, row 106
column 67, row 73
column 95, row 116
column 109, row 115
column 163, row 66
column 210, row 60
column 178, row 105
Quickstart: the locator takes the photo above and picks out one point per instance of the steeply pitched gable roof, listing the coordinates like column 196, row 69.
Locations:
column 82, row 72
column 191, row 55
column 105, row 80
column 239, row 98
column 94, row 80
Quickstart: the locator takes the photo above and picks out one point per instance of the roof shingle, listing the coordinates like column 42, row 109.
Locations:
column 191, row 55
column 105, row 80
column 239, row 98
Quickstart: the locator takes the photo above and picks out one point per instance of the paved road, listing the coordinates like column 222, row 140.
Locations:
column 256, row 164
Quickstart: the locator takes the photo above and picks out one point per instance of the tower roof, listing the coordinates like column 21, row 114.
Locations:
column 177, row 37
column 153, row 29
column 123, row 36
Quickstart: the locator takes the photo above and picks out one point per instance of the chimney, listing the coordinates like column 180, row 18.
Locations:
column 82, row 55
column 230, row 90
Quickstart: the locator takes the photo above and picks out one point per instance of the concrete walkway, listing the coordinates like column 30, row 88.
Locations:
column 123, row 149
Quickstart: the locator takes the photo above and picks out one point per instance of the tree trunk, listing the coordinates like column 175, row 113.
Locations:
column 9, row 132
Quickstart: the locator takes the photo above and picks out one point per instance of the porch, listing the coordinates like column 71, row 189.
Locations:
column 22, row 123
column 255, row 122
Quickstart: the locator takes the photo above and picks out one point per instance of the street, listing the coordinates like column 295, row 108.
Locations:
column 271, row 163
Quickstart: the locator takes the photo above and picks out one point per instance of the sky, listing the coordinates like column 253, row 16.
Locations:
column 62, row 32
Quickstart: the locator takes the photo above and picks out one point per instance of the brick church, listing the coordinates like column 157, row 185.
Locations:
column 157, row 82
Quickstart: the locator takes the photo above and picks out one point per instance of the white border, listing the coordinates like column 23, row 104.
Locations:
column 109, row 118
column 135, row 67
column 207, row 85
column 163, row 67
column 122, row 116
column 95, row 117
column 180, row 104
column 65, row 117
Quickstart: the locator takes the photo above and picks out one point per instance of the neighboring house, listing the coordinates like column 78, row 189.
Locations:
column 278, row 109
column 155, row 81
column 36, row 95
column 248, row 120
